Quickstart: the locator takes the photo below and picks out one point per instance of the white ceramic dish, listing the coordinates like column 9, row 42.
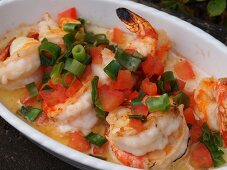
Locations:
column 201, row 48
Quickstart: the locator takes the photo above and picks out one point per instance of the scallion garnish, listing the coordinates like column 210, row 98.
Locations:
column 138, row 55
column 50, row 51
column 112, row 69
column 87, row 59
column 79, row 53
column 72, row 27
column 167, row 76
column 182, row 98
column 69, row 39
column 140, row 117
column 138, row 101
column 30, row 113
column 56, row 71
column 101, row 39
column 74, row 66
column 32, row 89
column 213, row 142
column 96, row 139
column 160, row 103
column 160, row 85
column 127, row 61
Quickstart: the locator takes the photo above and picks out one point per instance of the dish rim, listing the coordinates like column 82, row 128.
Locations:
column 72, row 154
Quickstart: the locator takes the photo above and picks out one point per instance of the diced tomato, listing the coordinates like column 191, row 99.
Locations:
column 100, row 150
column 148, row 87
column 95, row 53
column 73, row 88
column 152, row 67
column 111, row 99
column 200, row 122
column 181, row 84
column 118, row 36
column 68, row 13
column 134, row 95
column 184, row 70
column 34, row 35
column 87, row 72
column 124, row 81
column 78, row 142
column 130, row 51
column 200, row 157
column 136, row 124
column 69, row 79
column 192, row 99
column 189, row 116
column 195, row 133
column 140, row 110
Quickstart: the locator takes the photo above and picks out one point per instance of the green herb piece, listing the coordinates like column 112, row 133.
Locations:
column 140, row 117
column 112, row 69
column 216, row 7
column 96, row 139
column 158, row 103
column 138, row 101
column 69, row 39
column 160, row 85
column 24, row 110
column 32, row 89
column 167, row 76
column 182, row 98
column 71, row 27
column 33, row 114
column 94, row 90
column 56, row 71
column 79, row 53
column 74, row 66
column 87, row 59
column 101, row 39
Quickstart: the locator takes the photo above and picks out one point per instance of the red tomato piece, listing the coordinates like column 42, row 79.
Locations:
column 95, row 53
column 73, row 88
column 136, row 124
column 152, row 67
column 69, row 79
column 130, row 51
column 181, row 84
column 140, row 110
column 34, row 35
column 192, row 99
column 125, row 80
column 100, row 150
column 87, row 72
column 111, row 99
column 78, row 142
column 68, row 13
column 134, row 95
column 118, row 36
column 195, row 133
column 148, row 87
column 184, row 70
column 200, row 157
column 189, row 116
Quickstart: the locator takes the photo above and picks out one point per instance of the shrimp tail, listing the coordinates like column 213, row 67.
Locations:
column 136, row 23
column 222, row 107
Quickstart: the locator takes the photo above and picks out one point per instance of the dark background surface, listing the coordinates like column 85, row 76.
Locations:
column 17, row 152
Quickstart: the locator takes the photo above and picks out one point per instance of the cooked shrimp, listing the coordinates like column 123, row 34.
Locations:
column 77, row 113
column 50, row 30
column 22, row 62
column 97, row 69
column 147, row 40
column 162, row 140
column 206, row 104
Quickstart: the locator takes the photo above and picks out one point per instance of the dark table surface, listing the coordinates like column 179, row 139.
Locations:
column 17, row 152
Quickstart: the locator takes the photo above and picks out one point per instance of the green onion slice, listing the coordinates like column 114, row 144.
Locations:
column 56, row 71
column 96, row 139
column 72, row 27
column 69, row 39
column 51, row 49
column 167, row 76
column 138, row 101
column 182, row 98
column 112, row 69
column 160, row 85
column 74, row 66
column 140, row 117
column 101, row 39
column 160, row 103
column 32, row 89
column 94, row 90
column 79, row 53
column 33, row 114
column 127, row 61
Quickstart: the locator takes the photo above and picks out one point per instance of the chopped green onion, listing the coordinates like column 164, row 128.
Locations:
column 167, row 76
column 33, row 114
column 63, row 80
column 24, row 110
column 113, row 48
column 90, row 38
column 101, row 39
column 46, row 87
column 82, row 21
column 56, row 71
column 79, row 53
column 100, row 113
column 69, row 39
column 112, row 69
column 160, row 85
column 174, row 85
column 127, row 61
column 160, row 103
column 80, row 36
column 45, row 78
column 87, row 59
column 74, row 66
column 182, row 98
column 32, row 89
column 96, row 139
column 94, row 90
column 140, row 117
column 44, row 61
column 72, row 27
column 138, row 55
column 49, row 48
column 138, row 101
column 99, row 157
